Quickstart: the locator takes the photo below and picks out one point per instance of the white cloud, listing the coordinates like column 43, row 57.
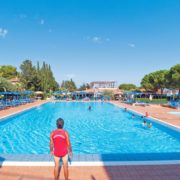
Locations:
column 97, row 39
column 70, row 76
column 42, row 21
column 131, row 45
column 3, row 32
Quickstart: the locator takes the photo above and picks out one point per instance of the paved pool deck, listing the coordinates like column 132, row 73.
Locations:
column 153, row 172
column 155, row 111
column 121, row 172
column 13, row 110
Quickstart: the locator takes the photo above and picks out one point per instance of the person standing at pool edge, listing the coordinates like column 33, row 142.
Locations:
column 60, row 145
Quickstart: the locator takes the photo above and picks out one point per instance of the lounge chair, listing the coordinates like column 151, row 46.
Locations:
column 140, row 104
column 175, row 103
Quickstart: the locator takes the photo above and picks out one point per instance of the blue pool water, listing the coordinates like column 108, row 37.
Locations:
column 103, row 130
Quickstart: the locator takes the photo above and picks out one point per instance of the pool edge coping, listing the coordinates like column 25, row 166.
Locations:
column 91, row 163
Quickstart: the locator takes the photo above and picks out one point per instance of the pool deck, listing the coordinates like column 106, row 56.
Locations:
column 155, row 111
column 13, row 110
column 153, row 172
column 122, row 172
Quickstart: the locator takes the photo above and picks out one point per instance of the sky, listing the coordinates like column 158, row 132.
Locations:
column 92, row 40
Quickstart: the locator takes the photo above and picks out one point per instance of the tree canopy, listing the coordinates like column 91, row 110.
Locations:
column 47, row 80
column 108, row 93
column 155, row 80
column 6, row 85
column 28, row 74
column 84, row 87
column 69, row 85
column 37, row 78
column 173, row 77
column 34, row 78
column 8, row 72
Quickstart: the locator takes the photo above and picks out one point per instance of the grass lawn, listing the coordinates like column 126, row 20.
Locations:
column 146, row 100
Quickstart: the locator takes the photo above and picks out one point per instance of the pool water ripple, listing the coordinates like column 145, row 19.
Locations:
column 103, row 130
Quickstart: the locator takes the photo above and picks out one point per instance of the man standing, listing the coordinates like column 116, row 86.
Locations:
column 60, row 145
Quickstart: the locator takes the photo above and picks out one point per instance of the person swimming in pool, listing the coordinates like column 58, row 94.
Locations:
column 60, row 145
column 149, row 125
column 89, row 108
column 144, row 124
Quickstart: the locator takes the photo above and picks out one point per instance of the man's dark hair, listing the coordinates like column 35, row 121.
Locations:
column 59, row 123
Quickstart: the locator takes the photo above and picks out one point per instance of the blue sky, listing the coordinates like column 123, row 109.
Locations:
column 90, row 40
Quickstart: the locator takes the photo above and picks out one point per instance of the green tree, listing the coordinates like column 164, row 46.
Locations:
column 6, row 85
column 84, row 87
column 8, row 72
column 146, row 82
column 63, row 89
column 155, row 80
column 69, row 85
column 44, row 78
column 108, row 93
column 53, row 84
column 19, row 86
column 28, row 75
column 127, row 87
column 38, row 78
column 48, row 81
column 173, row 77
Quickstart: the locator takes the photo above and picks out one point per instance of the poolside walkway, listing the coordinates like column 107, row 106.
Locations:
column 155, row 111
column 12, row 110
column 153, row 172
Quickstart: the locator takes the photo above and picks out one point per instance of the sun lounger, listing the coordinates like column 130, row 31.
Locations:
column 175, row 104
column 2, row 106
column 140, row 104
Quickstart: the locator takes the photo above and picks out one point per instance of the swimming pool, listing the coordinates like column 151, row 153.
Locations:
column 106, row 129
